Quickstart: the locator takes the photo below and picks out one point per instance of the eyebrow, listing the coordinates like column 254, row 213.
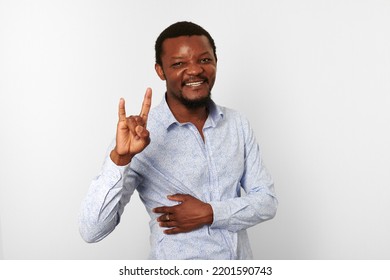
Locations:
column 181, row 57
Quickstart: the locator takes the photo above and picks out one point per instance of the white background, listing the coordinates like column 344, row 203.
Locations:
column 313, row 77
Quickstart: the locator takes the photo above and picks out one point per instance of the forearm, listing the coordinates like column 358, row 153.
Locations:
column 103, row 205
column 243, row 212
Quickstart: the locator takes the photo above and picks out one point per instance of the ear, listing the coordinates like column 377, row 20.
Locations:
column 159, row 71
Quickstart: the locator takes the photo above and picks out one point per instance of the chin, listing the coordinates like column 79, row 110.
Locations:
column 196, row 102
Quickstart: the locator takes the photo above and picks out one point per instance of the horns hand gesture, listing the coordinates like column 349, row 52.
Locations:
column 132, row 137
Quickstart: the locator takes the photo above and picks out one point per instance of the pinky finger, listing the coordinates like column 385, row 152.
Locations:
column 121, row 110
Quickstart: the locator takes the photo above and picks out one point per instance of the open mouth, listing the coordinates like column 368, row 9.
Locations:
column 194, row 83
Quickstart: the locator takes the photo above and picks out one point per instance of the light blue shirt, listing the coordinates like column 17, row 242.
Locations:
column 177, row 160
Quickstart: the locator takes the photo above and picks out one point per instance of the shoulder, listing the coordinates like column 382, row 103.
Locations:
column 238, row 122
column 233, row 116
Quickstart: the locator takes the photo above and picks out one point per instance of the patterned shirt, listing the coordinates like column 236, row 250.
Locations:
column 225, row 170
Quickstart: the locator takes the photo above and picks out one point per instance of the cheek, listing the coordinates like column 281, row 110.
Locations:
column 211, row 70
column 175, row 77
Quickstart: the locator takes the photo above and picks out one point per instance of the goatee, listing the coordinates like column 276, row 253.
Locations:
column 197, row 103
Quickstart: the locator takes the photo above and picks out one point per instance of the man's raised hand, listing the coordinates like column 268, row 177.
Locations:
column 132, row 137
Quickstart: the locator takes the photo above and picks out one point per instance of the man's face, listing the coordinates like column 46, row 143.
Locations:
column 189, row 69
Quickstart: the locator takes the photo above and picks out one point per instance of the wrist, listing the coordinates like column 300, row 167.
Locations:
column 209, row 217
column 120, row 160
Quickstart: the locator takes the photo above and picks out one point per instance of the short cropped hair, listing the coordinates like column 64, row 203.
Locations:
column 181, row 28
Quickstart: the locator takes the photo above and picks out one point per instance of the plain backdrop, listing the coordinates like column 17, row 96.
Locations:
column 313, row 77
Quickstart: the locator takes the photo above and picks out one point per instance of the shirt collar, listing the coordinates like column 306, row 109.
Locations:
column 167, row 119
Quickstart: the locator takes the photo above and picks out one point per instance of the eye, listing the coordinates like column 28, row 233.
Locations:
column 206, row 60
column 177, row 64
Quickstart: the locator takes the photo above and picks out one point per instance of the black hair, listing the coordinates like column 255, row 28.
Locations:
column 181, row 28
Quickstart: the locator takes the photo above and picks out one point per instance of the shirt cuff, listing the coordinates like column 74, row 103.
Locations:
column 112, row 173
column 221, row 214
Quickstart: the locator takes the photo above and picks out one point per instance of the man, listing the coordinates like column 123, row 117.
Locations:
column 188, row 159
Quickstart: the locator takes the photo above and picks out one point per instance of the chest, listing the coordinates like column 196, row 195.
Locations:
column 208, row 167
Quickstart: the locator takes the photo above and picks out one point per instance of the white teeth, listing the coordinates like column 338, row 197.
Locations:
column 194, row 84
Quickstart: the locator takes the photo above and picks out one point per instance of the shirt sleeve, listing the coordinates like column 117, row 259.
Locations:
column 258, row 203
column 104, row 203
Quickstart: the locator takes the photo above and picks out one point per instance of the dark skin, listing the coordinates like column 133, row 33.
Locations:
column 189, row 70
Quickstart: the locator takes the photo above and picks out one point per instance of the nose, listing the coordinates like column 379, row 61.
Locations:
column 194, row 69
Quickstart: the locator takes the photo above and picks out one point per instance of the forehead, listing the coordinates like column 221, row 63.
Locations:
column 186, row 45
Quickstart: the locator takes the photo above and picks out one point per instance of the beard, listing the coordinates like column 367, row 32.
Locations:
column 195, row 103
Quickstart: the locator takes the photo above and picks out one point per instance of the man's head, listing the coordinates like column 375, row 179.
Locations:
column 181, row 28
column 186, row 60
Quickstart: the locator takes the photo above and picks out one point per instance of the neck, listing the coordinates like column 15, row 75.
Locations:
column 197, row 116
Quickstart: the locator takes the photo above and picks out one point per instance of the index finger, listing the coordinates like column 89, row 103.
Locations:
column 163, row 209
column 146, row 104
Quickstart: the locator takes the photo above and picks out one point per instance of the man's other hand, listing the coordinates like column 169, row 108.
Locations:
column 187, row 216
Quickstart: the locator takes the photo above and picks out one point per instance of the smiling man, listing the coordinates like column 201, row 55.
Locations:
column 188, row 158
